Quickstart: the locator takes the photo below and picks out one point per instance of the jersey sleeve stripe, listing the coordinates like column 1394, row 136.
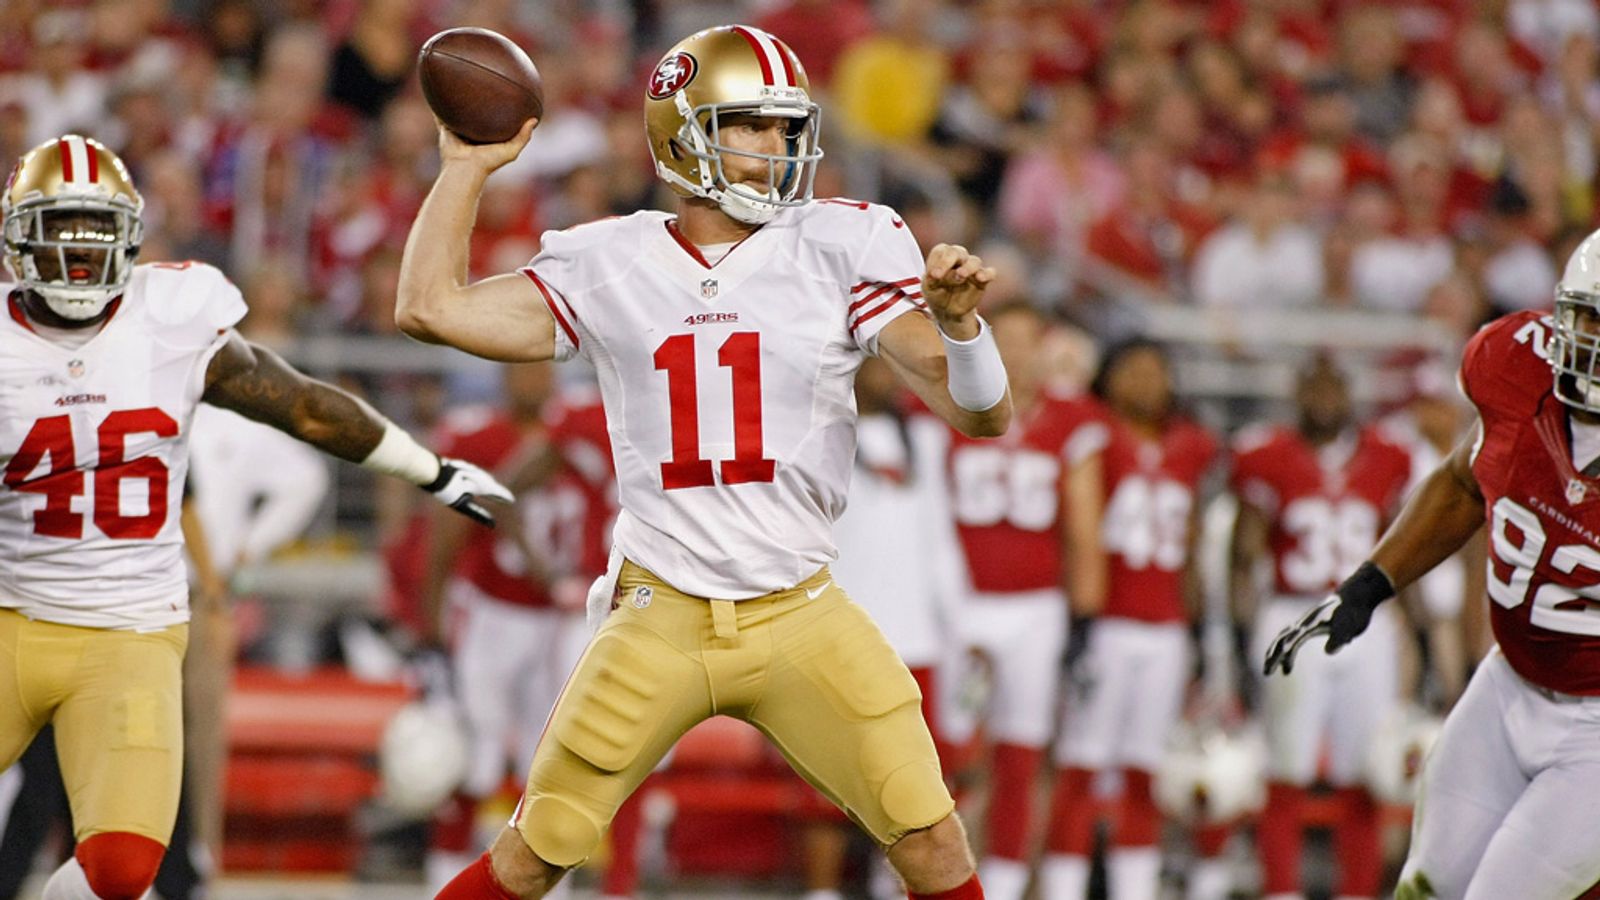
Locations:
column 875, row 311
column 885, row 289
column 555, row 309
column 902, row 283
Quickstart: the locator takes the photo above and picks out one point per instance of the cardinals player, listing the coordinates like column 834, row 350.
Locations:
column 1315, row 497
column 1022, row 506
column 101, row 366
column 1504, row 809
column 1136, row 662
column 726, row 336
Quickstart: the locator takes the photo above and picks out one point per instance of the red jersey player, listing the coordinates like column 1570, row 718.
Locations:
column 1315, row 497
column 1137, row 656
column 1506, row 802
column 1022, row 504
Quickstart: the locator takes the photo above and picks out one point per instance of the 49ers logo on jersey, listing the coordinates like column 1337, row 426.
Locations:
column 672, row 75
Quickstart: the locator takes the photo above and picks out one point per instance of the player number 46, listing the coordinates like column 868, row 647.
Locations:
column 52, row 437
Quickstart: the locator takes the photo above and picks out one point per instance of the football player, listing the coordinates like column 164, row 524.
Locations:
column 1136, row 660
column 1503, row 809
column 1314, row 497
column 726, row 336
column 1027, row 510
column 103, row 365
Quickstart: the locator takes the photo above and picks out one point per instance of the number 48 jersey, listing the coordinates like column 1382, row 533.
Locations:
column 728, row 387
column 1544, row 515
column 94, row 440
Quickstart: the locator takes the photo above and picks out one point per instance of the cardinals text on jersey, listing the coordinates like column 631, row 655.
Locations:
column 1544, row 515
column 728, row 386
column 95, row 445
column 1327, row 505
column 1006, row 493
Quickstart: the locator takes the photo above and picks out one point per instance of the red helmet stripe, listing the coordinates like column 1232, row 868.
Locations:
column 94, row 162
column 784, row 53
column 65, row 148
column 762, row 55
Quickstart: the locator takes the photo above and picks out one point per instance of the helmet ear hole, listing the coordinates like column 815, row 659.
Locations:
column 676, row 150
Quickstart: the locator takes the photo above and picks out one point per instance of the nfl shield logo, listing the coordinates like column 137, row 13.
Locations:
column 641, row 597
column 1575, row 491
column 75, row 368
column 708, row 288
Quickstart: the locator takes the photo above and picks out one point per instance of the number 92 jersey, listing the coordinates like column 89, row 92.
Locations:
column 94, row 440
column 728, row 386
column 1544, row 517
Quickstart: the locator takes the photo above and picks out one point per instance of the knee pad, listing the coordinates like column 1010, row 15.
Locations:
column 118, row 865
column 557, row 832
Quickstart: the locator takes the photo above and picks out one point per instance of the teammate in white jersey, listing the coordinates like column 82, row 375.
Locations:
column 102, row 364
column 726, row 337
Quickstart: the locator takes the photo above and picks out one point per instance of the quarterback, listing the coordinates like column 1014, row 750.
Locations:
column 726, row 337
column 1505, row 808
column 102, row 363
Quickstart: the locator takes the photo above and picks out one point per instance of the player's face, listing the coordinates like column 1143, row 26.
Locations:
column 84, row 262
column 1140, row 386
column 1324, row 400
column 754, row 134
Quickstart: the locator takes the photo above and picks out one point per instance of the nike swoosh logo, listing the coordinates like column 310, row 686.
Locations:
column 812, row 595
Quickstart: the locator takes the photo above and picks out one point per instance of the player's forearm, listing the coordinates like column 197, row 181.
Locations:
column 1435, row 522
column 434, row 264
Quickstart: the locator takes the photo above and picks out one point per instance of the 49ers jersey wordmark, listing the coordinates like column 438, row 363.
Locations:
column 1544, row 515
column 727, row 387
column 94, row 440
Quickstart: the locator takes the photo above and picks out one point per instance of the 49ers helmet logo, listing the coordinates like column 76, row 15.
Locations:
column 672, row 75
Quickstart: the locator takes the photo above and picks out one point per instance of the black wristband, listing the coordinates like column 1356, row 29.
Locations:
column 1368, row 587
column 445, row 471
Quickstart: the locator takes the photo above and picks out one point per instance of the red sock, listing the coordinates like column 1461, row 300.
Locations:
column 119, row 865
column 453, row 824
column 476, row 882
column 1140, row 822
column 1211, row 840
column 622, row 873
column 969, row 890
column 1011, row 799
column 1279, row 836
column 1072, row 814
column 1360, row 859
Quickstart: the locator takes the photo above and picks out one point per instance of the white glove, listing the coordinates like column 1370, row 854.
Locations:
column 459, row 486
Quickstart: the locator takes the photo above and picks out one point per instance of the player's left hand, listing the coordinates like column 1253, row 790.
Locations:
column 462, row 486
column 952, row 284
column 1341, row 621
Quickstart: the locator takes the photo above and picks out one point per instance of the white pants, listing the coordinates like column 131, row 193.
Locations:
column 1341, row 699
column 1510, row 800
column 510, row 665
column 1134, row 676
column 1021, row 638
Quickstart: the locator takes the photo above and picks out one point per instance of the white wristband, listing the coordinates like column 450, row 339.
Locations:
column 400, row 455
column 977, row 376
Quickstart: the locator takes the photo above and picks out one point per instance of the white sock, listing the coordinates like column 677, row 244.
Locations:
column 1003, row 879
column 69, row 883
column 1064, row 877
column 1209, row 879
column 1134, row 873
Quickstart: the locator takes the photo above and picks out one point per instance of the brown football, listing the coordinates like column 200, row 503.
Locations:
column 479, row 84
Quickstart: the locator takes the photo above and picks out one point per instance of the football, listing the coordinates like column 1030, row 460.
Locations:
column 479, row 84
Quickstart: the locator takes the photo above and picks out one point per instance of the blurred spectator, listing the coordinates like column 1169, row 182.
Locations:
column 58, row 92
column 1236, row 114
column 1267, row 259
column 887, row 87
column 371, row 65
column 1141, row 248
column 1322, row 153
column 989, row 118
column 1371, row 58
column 1407, row 251
column 1571, row 90
column 1518, row 273
column 175, row 222
column 1548, row 26
column 818, row 31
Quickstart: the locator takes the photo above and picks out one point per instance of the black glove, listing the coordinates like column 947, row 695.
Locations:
column 459, row 486
column 1341, row 617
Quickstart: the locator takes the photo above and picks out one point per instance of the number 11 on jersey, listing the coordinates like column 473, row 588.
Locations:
column 741, row 353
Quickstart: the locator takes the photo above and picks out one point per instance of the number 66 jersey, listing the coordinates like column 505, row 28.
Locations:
column 1544, row 515
column 728, row 385
column 94, row 441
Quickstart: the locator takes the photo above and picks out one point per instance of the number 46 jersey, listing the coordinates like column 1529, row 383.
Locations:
column 728, row 386
column 94, row 440
column 1544, row 515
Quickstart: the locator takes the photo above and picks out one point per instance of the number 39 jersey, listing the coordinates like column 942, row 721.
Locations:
column 728, row 387
column 94, row 441
column 1544, row 516
column 1327, row 505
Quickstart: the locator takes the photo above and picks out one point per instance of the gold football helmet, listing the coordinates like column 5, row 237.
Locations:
column 73, row 224
column 731, row 69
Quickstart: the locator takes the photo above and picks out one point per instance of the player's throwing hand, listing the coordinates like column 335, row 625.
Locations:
column 488, row 157
column 952, row 284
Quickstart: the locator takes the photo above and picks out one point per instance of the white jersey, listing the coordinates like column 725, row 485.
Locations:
column 728, row 387
column 95, row 446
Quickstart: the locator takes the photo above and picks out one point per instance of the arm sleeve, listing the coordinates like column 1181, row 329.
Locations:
column 888, row 278
column 553, row 272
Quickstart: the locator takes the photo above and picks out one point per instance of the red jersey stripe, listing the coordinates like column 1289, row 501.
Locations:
column 874, row 312
column 871, row 297
column 550, row 302
column 904, row 282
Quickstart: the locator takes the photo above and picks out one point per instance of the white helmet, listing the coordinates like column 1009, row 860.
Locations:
column 1574, row 351
column 422, row 758
column 1211, row 776
column 1396, row 754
